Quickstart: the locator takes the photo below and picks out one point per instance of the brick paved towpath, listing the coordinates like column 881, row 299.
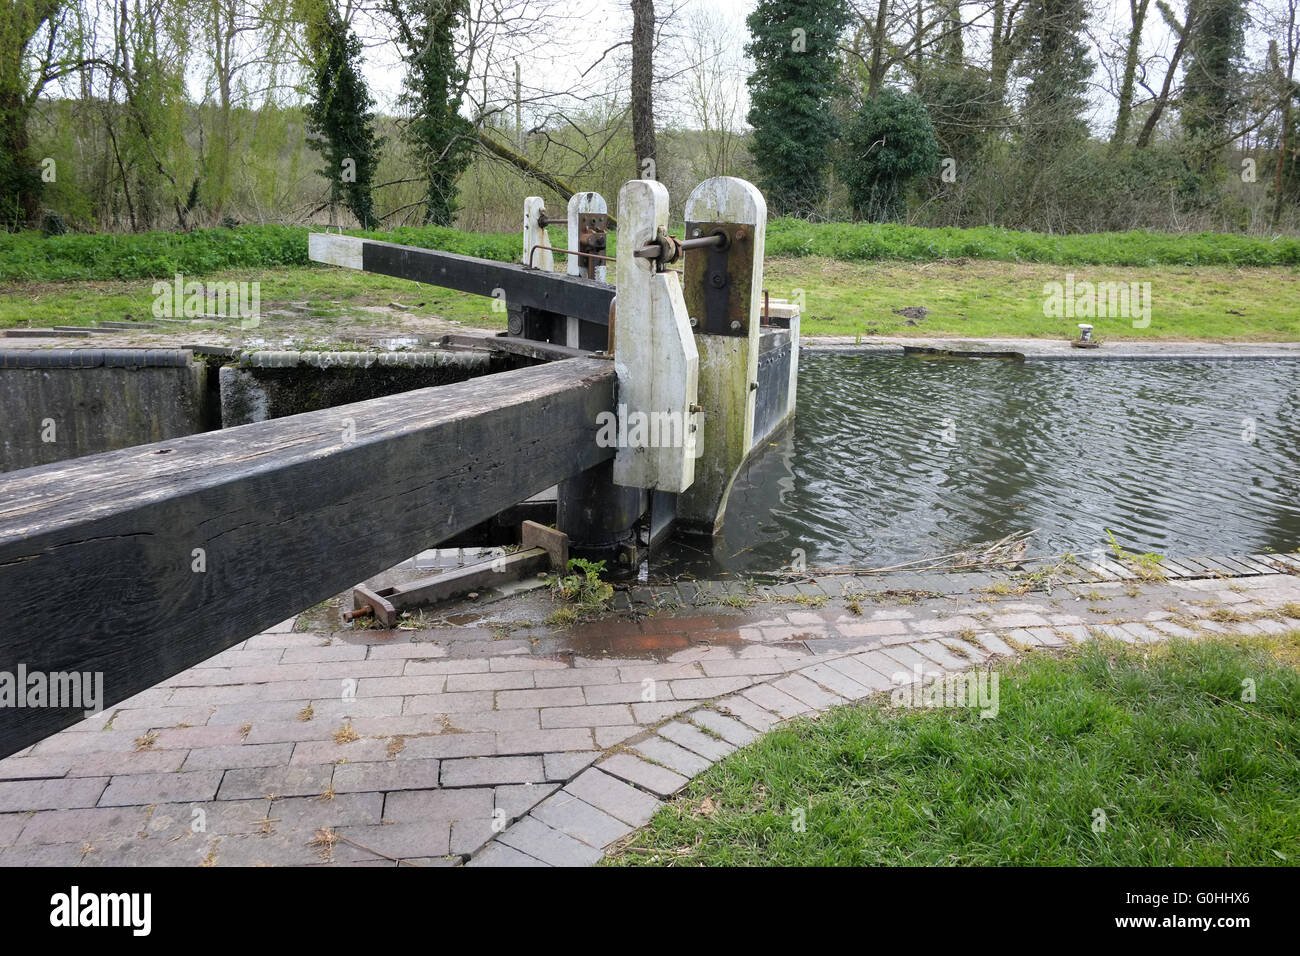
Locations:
column 507, row 742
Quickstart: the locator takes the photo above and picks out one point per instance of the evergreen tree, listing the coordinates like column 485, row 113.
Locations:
column 340, row 114
column 888, row 143
column 1212, row 85
column 434, row 87
column 1054, row 60
column 796, row 75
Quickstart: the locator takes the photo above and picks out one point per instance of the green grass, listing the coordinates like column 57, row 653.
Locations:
column 1157, row 738
column 334, row 297
column 966, row 300
column 851, row 278
column 856, row 242
column 30, row 257
column 1002, row 299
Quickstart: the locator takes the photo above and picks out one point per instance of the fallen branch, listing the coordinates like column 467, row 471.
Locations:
column 529, row 168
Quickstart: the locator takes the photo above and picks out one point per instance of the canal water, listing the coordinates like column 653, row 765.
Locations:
column 893, row 459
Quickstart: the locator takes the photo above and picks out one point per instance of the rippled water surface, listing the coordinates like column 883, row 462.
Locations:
column 893, row 459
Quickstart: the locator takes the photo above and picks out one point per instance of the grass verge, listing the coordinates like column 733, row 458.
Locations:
column 964, row 299
column 333, row 296
column 1156, row 738
column 28, row 256
column 973, row 299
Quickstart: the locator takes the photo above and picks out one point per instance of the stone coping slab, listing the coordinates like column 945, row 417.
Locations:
column 1057, row 349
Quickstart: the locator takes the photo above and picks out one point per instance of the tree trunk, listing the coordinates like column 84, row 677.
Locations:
column 878, row 50
column 1138, row 9
column 1283, row 151
column 1000, row 60
column 1144, row 138
column 1284, row 140
column 17, row 101
column 917, row 41
column 643, row 119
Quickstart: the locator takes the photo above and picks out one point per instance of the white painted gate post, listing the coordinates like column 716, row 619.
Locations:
column 579, row 204
column 535, row 235
column 655, row 356
column 727, row 336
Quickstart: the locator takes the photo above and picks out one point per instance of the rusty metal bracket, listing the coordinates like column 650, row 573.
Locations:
column 718, row 276
column 368, row 603
column 592, row 230
column 662, row 252
column 542, row 548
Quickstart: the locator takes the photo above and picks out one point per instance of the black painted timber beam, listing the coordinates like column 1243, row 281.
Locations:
column 141, row 562
column 513, row 345
column 520, row 286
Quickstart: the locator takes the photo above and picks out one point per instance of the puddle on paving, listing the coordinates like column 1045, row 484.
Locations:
column 463, row 620
column 653, row 638
column 518, row 622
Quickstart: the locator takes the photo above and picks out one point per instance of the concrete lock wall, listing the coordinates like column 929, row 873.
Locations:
column 778, row 376
column 65, row 403
column 264, row 385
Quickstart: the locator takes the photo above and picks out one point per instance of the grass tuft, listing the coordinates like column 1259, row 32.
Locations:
column 346, row 735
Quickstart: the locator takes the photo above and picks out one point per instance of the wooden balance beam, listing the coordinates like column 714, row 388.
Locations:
column 142, row 562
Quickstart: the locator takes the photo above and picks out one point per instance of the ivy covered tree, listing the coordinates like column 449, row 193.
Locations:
column 340, row 113
column 23, row 25
column 1212, row 88
column 888, row 143
column 963, row 105
column 433, row 91
column 796, row 75
column 1052, row 35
